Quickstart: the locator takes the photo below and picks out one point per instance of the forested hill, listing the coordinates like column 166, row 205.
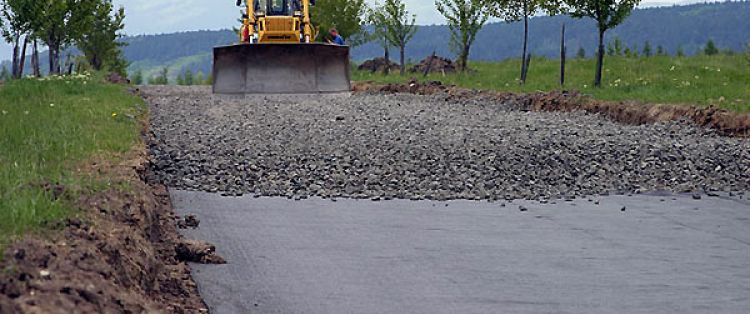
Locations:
column 688, row 27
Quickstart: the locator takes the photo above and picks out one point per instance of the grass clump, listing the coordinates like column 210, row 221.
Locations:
column 720, row 80
column 48, row 128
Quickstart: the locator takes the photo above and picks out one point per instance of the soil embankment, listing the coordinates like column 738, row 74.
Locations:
column 118, row 255
column 722, row 121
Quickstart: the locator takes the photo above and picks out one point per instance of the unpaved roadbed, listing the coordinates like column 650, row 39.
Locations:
column 424, row 147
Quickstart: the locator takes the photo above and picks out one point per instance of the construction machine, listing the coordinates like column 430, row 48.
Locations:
column 277, row 53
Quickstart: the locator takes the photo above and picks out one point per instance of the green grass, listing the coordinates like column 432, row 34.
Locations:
column 47, row 130
column 720, row 80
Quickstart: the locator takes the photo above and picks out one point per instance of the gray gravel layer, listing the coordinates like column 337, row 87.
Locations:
column 423, row 147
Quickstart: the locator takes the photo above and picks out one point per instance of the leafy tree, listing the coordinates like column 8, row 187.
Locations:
column 647, row 49
column 376, row 18
column 62, row 22
column 399, row 27
column 161, row 79
column 199, row 78
column 4, row 74
column 710, row 48
column 465, row 19
column 137, row 77
column 581, row 54
column 100, row 45
column 187, row 76
column 19, row 20
column 607, row 14
column 660, row 51
column 517, row 10
column 680, row 51
column 347, row 16
column 180, row 80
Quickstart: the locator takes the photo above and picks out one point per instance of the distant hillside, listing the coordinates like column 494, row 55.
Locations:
column 688, row 27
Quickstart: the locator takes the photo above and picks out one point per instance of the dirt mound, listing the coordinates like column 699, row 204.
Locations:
column 116, row 78
column 723, row 121
column 435, row 64
column 379, row 65
column 118, row 256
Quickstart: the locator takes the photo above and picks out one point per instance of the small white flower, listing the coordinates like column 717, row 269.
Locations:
column 5, row 112
column 26, row 112
column 672, row 68
column 51, row 105
column 697, row 77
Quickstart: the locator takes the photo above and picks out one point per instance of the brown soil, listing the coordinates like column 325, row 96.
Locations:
column 119, row 256
column 723, row 121
column 379, row 65
column 435, row 64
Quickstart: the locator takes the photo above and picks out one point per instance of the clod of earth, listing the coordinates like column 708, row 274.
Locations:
column 442, row 146
column 189, row 221
column 198, row 252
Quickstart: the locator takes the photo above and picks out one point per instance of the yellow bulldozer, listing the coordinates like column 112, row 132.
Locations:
column 277, row 54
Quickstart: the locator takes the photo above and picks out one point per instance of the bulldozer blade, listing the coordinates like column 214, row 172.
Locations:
column 281, row 69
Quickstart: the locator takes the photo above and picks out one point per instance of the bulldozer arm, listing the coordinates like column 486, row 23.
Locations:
column 281, row 69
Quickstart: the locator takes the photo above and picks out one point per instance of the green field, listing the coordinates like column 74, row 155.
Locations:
column 720, row 80
column 48, row 128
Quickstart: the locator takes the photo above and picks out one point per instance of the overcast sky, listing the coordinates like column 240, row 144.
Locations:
column 166, row 16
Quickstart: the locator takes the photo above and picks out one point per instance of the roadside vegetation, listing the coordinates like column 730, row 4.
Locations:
column 720, row 80
column 50, row 128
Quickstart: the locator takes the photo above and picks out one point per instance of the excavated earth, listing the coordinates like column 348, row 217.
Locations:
column 121, row 253
column 443, row 145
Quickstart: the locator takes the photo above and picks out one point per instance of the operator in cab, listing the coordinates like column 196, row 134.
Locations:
column 334, row 38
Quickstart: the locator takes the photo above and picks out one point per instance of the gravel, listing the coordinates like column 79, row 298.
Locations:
column 424, row 147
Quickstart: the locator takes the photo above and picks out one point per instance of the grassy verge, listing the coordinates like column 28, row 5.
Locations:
column 48, row 129
column 701, row 80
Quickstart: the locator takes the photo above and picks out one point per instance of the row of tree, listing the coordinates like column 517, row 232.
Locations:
column 186, row 78
column 393, row 25
column 92, row 26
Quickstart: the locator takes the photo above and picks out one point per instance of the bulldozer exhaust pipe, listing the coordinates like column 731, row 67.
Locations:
column 281, row 69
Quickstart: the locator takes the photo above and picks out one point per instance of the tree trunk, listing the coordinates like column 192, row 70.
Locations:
column 35, row 59
column 600, row 59
column 403, row 59
column 22, row 62
column 524, row 67
column 14, row 66
column 387, row 57
column 463, row 59
column 54, row 62
column 563, row 54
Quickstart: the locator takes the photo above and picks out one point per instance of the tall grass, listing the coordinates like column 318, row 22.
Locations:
column 721, row 80
column 48, row 128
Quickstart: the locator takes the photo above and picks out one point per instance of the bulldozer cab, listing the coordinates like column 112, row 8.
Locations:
column 276, row 7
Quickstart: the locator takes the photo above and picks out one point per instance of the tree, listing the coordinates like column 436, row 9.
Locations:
column 680, row 51
column 522, row 10
column 100, row 44
column 62, row 23
column 161, row 79
column 347, row 16
column 465, row 19
column 199, row 78
column 710, row 48
column 187, row 76
column 607, row 14
column 647, row 49
column 660, row 51
column 581, row 54
column 399, row 27
column 137, row 77
column 376, row 18
column 19, row 18
column 4, row 74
